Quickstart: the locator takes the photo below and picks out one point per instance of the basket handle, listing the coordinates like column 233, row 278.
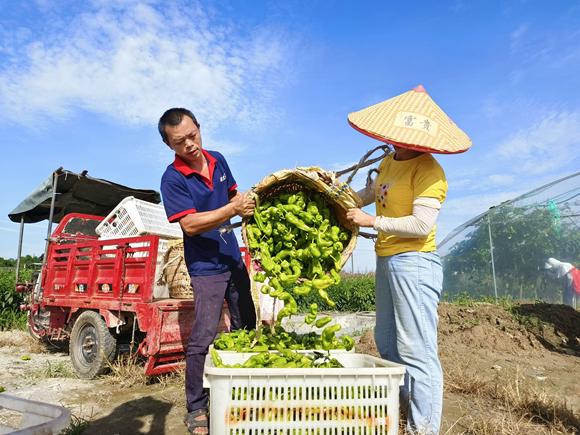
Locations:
column 363, row 161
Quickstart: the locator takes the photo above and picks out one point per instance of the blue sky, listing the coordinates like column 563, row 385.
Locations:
column 82, row 85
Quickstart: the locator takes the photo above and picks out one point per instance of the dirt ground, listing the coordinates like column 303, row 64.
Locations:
column 536, row 346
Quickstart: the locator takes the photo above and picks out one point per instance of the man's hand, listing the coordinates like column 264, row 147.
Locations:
column 360, row 218
column 243, row 205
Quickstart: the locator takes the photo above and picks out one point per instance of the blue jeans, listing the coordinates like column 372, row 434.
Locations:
column 407, row 291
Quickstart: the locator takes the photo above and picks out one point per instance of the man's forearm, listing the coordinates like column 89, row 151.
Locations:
column 199, row 223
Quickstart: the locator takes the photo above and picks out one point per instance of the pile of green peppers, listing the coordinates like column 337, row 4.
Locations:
column 296, row 236
column 284, row 358
column 241, row 340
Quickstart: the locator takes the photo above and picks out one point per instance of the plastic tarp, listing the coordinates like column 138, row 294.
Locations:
column 76, row 193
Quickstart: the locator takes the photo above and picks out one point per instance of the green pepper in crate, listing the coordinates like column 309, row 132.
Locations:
column 257, row 360
column 217, row 361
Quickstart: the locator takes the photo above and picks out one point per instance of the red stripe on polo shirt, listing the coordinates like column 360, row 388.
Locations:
column 184, row 168
column 180, row 215
column 234, row 187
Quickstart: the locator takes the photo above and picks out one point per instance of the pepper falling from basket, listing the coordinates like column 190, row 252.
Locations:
column 299, row 233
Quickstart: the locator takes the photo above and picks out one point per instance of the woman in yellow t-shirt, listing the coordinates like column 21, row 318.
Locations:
column 408, row 192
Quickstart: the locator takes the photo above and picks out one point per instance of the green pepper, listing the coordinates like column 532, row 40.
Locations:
column 311, row 317
column 302, row 254
column 265, row 289
column 314, row 251
column 322, row 241
column 259, row 277
column 322, row 283
column 334, row 233
column 320, row 323
column 288, row 280
column 292, row 208
column 268, row 265
column 290, row 307
column 298, row 223
column 316, row 268
column 254, row 360
column 275, row 213
column 336, row 276
column 328, row 336
column 304, row 289
column 278, row 247
column 306, row 217
column 319, row 202
column 278, row 289
column 326, row 252
column 258, row 219
column 287, row 197
column 279, row 362
column 217, row 361
column 281, row 255
column 312, row 209
column 348, row 342
column 325, row 297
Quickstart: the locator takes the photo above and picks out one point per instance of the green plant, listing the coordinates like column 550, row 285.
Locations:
column 77, row 426
column 351, row 295
column 10, row 299
column 59, row 370
column 13, row 320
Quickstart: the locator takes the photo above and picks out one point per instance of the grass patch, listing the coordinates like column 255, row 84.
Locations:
column 13, row 320
column 127, row 371
column 523, row 406
column 77, row 426
column 59, row 370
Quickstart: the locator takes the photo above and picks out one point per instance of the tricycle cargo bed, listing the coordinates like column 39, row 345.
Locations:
column 103, row 270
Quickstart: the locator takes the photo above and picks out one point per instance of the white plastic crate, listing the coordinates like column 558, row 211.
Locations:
column 33, row 418
column 362, row 398
column 133, row 217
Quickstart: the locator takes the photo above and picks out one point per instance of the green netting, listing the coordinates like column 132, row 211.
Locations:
column 500, row 253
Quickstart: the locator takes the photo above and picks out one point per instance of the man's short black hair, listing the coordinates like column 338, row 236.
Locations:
column 173, row 117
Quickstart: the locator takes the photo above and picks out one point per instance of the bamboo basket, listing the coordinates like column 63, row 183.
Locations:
column 175, row 272
column 337, row 195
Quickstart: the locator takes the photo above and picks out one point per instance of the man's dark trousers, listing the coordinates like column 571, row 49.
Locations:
column 209, row 293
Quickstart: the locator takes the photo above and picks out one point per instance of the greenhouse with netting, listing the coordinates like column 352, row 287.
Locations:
column 503, row 252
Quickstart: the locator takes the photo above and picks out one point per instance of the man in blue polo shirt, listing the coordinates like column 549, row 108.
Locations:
column 200, row 193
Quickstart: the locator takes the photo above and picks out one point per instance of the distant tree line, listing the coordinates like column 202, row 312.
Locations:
column 25, row 261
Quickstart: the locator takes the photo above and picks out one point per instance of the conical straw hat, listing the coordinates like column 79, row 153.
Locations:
column 411, row 120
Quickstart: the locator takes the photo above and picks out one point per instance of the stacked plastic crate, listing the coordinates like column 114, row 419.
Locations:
column 134, row 217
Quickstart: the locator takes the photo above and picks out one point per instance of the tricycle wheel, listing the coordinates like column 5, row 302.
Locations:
column 92, row 347
column 33, row 324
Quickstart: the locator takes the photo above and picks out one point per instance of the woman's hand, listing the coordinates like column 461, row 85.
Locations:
column 360, row 218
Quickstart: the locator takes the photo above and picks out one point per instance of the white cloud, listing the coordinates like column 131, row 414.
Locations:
column 500, row 180
column 517, row 37
column 545, row 146
column 131, row 61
